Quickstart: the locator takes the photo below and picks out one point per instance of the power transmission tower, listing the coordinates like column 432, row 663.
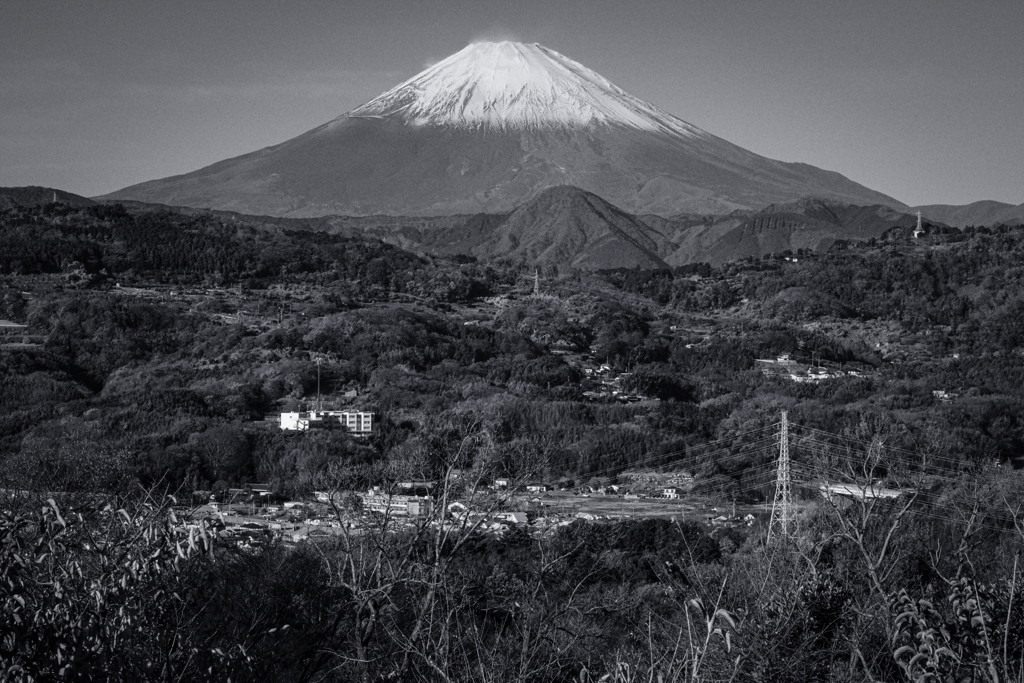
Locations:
column 782, row 507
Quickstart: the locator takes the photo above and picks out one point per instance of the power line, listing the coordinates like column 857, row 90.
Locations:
column 853, row 460
column 895, row 449
column 689, row 452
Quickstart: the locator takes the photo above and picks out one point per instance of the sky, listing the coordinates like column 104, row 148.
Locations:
column 920, row 99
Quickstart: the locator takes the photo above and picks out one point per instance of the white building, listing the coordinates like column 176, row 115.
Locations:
column 327, row 496
column 404, row 504
column 512, row 517
column 671, row 492
column 834, row 492
column 360, row 424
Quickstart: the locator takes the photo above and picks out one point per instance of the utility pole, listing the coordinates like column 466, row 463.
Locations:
column 319, row 407
column 781, row 523
column 536, row 282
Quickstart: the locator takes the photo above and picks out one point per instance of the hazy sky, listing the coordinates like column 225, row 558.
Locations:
column 922, row 100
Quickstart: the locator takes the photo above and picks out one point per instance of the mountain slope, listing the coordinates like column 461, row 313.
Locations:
column 985, row 212
column 488, row 129
column 571, row 229
column 812, row 224
column 568, row 227
column 33, row 195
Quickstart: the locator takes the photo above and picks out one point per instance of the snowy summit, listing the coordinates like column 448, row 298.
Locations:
column 510, row 86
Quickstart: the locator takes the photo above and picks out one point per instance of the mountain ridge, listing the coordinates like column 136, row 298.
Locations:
column 985, row 212
column 35, row 195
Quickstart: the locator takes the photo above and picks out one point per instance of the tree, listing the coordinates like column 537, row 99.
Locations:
column 77, row 583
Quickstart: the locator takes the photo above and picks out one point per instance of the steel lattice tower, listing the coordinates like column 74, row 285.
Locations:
column 782, row 507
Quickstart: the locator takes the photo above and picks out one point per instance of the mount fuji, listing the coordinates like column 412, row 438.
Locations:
column 488, row 129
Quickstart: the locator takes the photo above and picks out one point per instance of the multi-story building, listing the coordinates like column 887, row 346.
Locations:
column 401, row 503
column 358, row 423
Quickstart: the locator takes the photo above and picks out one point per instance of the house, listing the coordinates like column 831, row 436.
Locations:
column 772, row 366
column 404, row 502
column 327, row 496
column 417, row 485
column 260, row 493
column 844, row 493
column 512, row 517
column 537, row 488
column 458, row 510
column 358, row 423
column 671, row 492
column 502, row 483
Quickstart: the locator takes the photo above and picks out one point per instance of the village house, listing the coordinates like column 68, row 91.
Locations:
column 327, row 496
column 844, row 494
column 671, row 492
column 512, row 517
column 403, row 502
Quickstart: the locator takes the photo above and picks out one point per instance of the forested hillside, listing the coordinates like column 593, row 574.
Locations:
column 163, row 327
column 157, row 343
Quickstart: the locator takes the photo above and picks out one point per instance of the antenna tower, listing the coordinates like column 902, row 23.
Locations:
column 782, row 507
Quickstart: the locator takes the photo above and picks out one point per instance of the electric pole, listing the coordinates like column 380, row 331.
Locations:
column 781, row 523
column 318, row 406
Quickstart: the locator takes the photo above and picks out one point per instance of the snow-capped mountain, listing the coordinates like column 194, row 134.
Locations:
column 488, row 129
column 513, row 86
